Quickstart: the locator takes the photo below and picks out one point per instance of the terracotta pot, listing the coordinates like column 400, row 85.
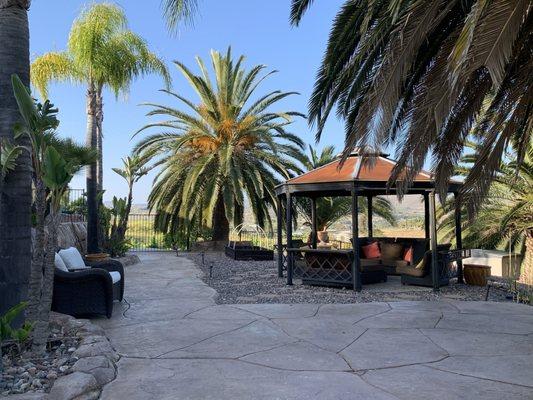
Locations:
column 97, row 257
column 476, row 275
column 323, row 236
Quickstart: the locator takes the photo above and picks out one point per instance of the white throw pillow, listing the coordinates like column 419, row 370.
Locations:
column 115, row 276
column 59, row 263
column 72, row 258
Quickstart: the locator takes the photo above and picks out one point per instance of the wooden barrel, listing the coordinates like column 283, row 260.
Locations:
column 476, row 275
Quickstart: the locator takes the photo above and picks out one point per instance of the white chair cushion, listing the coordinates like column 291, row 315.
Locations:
column 115, row 276
column 59, row 263
column 72, row 258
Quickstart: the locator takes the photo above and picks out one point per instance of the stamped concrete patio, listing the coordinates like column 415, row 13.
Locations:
column 176, row 343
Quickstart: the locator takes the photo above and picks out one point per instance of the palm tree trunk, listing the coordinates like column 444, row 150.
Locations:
column 99, row 139
column 92, row 198
column 41, row 331
column 15, row 198
column 220, row 222
column 37, row 261
column 527, row 263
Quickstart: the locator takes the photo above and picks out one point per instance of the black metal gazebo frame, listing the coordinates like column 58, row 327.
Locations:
column 355, row 188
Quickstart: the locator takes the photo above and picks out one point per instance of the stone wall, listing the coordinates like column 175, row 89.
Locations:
column 71, row 234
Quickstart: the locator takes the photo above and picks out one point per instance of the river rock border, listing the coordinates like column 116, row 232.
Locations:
column 96, row 365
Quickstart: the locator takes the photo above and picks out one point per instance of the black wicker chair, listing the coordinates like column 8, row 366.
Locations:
column 88, row 291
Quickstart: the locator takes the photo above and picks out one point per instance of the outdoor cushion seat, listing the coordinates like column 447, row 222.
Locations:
column 410, row 270
column 90, row 290
column 115, row 276
column 400, row 264
column 422, row 276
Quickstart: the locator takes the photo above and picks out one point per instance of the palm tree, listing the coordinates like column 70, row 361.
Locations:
column 102, row 53
column 175, row 11
column 505, row 220
column 329, row 210
column 419, row 74
column 133, row 170
column 15, row 196
column 228, row 148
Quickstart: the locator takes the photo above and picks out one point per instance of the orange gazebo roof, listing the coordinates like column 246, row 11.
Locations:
column 375, row 168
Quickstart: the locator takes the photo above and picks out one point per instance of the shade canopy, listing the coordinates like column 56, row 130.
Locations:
column 370, row 173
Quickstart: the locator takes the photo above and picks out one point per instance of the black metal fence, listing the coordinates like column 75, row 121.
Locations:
column 74, row 206
column 142, row 235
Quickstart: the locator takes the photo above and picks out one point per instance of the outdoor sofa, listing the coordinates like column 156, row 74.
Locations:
column 90, row 290
column 422, row 274
column 407, row 257
column 392, row 253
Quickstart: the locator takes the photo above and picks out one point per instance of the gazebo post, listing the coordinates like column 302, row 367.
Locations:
column 279, row 215
column 426, row 215
column 313, row 223
column 369, row 217
column 289, row 238
column 356, row 268
column 458, row 235
column 433, row 242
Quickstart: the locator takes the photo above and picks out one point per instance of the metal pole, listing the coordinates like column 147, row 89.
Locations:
column 313, row 223
column 426, row 215
column 370, row 227
column 356, row 268
column 458, row 236
column 289, row 239
column 280, row 237
column 433, row 242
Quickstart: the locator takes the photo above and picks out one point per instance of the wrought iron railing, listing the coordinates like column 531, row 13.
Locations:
column 143, row 236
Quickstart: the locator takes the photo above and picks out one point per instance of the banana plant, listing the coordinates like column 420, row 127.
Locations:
column 51, row 174
column 9, row 153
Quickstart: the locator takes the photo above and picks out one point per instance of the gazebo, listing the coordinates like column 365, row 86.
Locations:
column 367, row 177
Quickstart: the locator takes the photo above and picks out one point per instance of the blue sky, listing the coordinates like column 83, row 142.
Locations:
column 258, row 29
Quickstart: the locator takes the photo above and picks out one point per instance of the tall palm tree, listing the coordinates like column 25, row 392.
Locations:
column 15, row 196
column 418, row 74
column 102, row 53
column 228, row 148
column 505, row 220
column 329, row 210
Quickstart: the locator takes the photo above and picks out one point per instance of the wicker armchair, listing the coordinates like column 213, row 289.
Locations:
column 88, row 291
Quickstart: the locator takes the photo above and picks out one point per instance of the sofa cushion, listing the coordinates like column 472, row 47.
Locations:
column 391, row 251
column 72, row 258
column 59, row 263
column 371, row 250
column 400, row 263
column 115, row 276
column 410, row 270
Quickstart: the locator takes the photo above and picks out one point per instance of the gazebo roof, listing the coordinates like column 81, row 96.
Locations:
column 373, row 172
column 377, row 169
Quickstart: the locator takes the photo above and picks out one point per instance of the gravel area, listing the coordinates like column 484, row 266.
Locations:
column 25, row 373
column 257, row 282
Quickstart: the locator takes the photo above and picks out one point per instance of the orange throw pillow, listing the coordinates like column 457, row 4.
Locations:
column 408, row 255
column 371, row 250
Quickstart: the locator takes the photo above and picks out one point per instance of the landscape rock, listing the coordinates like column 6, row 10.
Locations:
column 75, row 386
